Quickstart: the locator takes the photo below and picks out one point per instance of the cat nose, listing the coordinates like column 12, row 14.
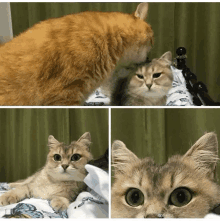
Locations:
column 65, row 166
column 154, row 215
column 149, row 86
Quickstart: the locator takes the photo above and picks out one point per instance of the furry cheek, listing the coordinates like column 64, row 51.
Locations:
column 60, row 169
column 191, row 210
column 159, row 89
column 120, row 209
column 136, row 82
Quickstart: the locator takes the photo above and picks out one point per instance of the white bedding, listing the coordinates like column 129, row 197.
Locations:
column 90, row 204
column 212, row 216
column 94, row 203
column 178, row 94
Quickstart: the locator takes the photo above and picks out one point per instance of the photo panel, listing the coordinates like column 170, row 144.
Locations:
column 164, row 163
column 55, row 161
column 164, row 41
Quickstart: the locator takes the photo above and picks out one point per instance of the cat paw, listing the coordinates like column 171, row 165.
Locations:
column 59, row 204
column 8, row 198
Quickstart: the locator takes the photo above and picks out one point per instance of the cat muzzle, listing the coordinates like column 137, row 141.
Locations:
column 149, row 86
column 65, row 166
column 154, row 216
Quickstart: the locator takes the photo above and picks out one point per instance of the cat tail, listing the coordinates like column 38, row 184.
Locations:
column 125, row 69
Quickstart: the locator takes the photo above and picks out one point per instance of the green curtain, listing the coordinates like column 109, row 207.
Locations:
column 161, row 133
column 196, row 26
column 24, row 136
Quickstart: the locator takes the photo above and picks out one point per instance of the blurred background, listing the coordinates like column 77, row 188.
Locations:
column 161, row 133
column 195, row 26
column 24, row 136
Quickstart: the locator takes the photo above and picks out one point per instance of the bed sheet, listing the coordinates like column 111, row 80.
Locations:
column 92, row 203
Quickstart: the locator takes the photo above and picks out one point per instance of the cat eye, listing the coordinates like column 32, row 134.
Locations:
column 57, row 157
column 156, row 75
column 180, row 197
column 140, row 76
column 134, row 197
column 75, row 157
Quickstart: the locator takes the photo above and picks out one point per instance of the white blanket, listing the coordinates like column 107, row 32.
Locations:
column 91, row 204
column 94, row 203
column 212, row 216
column 178, row 94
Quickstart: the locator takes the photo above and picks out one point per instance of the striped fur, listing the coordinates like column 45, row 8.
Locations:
column 194, row 171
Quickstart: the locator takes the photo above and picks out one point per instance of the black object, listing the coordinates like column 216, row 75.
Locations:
column 197, row 88
column 101, row 162
column 216, row 210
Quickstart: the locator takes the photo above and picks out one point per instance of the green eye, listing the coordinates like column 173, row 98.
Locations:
column 134, row 197
column 75, row 157
column 180, row 197
column 156, row 75
column 57, row 157
column 140, row 76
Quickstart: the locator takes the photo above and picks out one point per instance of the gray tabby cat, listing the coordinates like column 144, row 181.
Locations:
column 141, row 83
column 60, row 180
column 184, row 187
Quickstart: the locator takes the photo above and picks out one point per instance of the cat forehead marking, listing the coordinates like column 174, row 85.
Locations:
column 157, row 180
column 162, row 177
column 151, row 68
column 68, row 149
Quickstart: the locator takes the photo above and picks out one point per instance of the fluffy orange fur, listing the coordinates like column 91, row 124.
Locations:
column 61, row 61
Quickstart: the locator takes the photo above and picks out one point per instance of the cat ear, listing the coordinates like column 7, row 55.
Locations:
column 52, row 141
column 141, row 11
column 85, row 139
column 122, row 157
column 204, row 154
column 167, row 57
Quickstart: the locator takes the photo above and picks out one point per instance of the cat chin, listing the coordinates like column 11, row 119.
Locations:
column 156, row 92
column 157, row 89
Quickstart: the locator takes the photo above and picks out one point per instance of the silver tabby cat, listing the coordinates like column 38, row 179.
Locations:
column 60, row 180
column 184, row 187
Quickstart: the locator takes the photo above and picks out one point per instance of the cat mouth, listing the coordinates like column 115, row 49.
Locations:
column 64, row 172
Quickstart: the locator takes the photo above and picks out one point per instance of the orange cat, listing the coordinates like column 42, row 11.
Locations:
column 61, row 61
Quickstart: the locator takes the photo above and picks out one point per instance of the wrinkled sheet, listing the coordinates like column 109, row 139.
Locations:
column 90, row 204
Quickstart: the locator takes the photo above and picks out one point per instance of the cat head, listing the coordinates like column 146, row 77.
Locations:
column 183, row 187
column 154, row 78
column 141, row 14
column 139, row 30
column 67, row 162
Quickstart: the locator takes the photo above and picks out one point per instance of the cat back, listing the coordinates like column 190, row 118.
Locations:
column 61, row 61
